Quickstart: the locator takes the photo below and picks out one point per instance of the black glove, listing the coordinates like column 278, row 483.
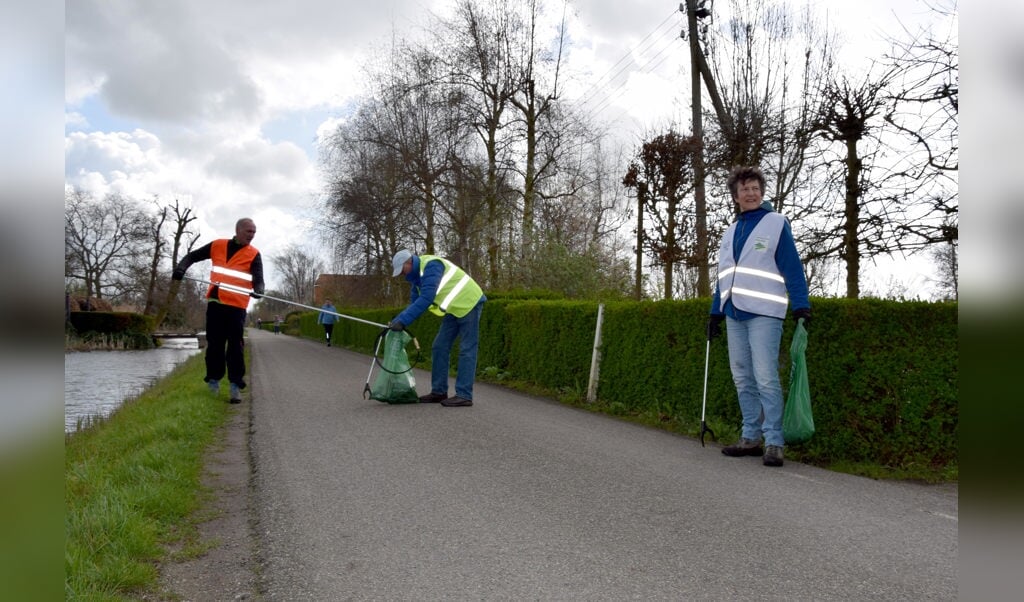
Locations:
column 177, row 274
column 396, row 325
column 805, row 313
column 715, row 325
column 256, row 295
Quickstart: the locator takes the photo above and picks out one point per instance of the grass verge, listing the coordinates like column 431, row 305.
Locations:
column 132, row 484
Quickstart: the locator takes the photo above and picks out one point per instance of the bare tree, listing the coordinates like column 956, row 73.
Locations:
column 101, row 240
column 924, row 112
column 422, row 122
column 299, row 271
column 947, row 258
column 476, row 46
column 183, row 241
column 882, row 199
column 536, row 78
column 369, row 204
column 443, row 157
column 155, row 231
column 849, row 114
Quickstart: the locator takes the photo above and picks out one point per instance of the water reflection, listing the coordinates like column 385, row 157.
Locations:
column 97, row 382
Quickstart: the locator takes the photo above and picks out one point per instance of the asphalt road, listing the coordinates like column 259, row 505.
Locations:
column 520, row 498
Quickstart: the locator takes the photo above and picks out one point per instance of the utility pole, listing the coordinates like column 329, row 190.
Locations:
column 693, row 12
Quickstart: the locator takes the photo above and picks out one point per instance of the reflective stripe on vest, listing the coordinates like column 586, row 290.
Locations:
column 756, row 285
column 458, row 293
column 233, row 272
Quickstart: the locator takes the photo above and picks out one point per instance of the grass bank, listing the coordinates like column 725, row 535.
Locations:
column 132, row 485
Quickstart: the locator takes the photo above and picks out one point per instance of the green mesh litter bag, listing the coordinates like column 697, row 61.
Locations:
column 797, row 419
column 395, row 382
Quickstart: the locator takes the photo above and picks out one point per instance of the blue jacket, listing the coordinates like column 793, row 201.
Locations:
column 786, row 258
column 325, row 318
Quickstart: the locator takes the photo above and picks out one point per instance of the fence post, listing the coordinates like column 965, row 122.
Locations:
column 595, row 359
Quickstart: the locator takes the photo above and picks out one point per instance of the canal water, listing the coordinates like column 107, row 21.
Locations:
column 97, row 382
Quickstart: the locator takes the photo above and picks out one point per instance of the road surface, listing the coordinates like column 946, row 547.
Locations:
column 520, row 498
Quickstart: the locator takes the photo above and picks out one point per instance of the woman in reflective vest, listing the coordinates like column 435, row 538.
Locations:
column 438, row 285
column 759, row 275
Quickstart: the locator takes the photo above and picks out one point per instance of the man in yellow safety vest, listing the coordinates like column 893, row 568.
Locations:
column 443, row 288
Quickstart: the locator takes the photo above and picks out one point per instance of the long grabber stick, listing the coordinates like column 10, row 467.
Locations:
column 244, row 291
column 703, row 424
column 366, row 388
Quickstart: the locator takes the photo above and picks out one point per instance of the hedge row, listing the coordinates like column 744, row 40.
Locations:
column 883, row 374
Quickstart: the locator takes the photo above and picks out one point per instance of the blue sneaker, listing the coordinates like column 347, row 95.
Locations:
column 214, row 386
column 236, row 394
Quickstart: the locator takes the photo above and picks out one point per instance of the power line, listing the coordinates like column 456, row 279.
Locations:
column 646, row 68
column 596, row 87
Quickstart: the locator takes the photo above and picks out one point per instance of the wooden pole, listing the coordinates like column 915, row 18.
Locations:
column 700, row 203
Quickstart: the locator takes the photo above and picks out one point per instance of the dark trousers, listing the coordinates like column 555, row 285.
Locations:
column 225, row 326
column 328, row 330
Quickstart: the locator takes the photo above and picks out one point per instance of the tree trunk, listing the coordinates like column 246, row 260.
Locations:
column 851, row 240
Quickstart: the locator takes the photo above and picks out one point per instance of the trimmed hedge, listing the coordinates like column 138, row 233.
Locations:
column 883, row 374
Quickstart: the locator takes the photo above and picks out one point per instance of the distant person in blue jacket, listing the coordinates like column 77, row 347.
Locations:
column 443, row 288
column 759, row 276
column 327, row 318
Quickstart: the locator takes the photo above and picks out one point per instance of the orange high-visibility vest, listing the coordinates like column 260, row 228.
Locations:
column 234, row 272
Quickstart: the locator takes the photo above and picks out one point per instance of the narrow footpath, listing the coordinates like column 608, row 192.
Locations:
column 519, row 498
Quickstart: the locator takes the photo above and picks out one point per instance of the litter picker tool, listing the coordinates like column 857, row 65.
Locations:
column 366, row 387
column 704, row 406
column 246, row 291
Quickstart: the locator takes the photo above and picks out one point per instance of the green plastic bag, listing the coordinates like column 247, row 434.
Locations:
column 797, row 419
column 395, row 382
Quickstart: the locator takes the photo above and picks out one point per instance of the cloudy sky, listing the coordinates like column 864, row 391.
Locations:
column 219, row 104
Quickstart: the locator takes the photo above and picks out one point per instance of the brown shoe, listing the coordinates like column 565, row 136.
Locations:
column 743, row 447
column 433, row 397
column 772, row 455
column 457, row 402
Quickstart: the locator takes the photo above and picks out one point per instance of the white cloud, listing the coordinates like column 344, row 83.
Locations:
column 110, row 157
column 75, row 120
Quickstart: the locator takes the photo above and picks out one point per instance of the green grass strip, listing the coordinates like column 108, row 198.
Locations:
column 132, row 481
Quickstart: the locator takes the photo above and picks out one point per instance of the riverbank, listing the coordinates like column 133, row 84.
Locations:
column 143, row 486
column 96, row 383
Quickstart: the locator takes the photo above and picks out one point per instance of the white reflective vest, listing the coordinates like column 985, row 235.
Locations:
column 754, row 282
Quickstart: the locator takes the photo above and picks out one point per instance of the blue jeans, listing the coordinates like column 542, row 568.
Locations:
column 467, row 329
column 754, row 360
